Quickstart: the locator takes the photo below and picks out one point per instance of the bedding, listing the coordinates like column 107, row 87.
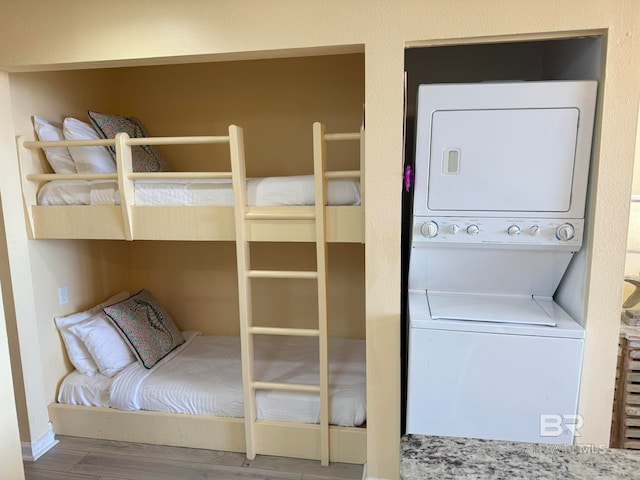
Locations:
column 107, row 348
column 147, row 327
column 87, row 159
column 58, row 157
column 88, row 390
column 203, row 377
column 145, row 158
column 77, row 351
column 289, row 190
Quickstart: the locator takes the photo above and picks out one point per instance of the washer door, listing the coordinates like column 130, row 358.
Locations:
column 488, row 308
column 502, row 160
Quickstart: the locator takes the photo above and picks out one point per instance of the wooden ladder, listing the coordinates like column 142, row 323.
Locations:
column 246, row 274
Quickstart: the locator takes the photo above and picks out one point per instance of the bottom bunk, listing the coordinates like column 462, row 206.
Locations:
column 347, row 444
column 193, row 397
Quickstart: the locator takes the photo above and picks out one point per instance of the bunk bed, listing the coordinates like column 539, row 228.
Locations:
column 128, row 217
column 253, row 431
column 193, row 398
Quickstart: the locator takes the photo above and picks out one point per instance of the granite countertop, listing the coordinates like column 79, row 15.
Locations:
column 443, row 458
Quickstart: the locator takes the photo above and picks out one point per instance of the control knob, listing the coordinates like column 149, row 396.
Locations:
column 513, row 230
column 565, row 232
column 534, row 230
column 473, row 230
column 454, row 229
column 429, row 229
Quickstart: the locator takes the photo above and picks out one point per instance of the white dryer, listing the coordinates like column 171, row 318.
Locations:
column 499, row 197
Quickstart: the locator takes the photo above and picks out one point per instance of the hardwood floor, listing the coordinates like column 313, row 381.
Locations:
column 89, row 459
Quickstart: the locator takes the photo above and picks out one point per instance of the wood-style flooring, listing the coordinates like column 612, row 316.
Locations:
column 89, row 459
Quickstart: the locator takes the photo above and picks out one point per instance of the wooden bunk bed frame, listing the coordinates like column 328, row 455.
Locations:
column 319, row 224
column 284, row 439
column 128, row 221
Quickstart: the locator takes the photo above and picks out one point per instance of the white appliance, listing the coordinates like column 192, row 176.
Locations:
column 500, row 186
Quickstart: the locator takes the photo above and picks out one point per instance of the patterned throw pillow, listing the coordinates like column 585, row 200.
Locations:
column 145, row 158
column 147, row 326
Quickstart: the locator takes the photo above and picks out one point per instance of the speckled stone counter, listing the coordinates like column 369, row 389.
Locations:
column 442, row 458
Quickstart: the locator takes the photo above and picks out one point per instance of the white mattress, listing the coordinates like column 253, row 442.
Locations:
column 291, row 190
column 204, row 377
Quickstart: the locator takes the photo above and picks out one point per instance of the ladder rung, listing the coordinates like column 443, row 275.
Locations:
column 342, row 174
column 194, row 140
column 106, row 142
column 71, row 176
column 279, row 216
column 294, row 332
column 342, row 136
column 282, row 274
column 293, row 387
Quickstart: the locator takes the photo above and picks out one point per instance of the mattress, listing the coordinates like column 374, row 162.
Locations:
column 204, row 377
column 290, row 190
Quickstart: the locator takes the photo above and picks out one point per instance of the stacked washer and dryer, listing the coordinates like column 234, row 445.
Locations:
column 501, row 178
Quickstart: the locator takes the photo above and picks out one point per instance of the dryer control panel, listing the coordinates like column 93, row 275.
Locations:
column 535, row 232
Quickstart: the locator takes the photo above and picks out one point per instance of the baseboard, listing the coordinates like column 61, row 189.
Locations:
column 31, row 451
column 364, row 474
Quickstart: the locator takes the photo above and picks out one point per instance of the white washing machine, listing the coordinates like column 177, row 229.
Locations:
column 501, row 180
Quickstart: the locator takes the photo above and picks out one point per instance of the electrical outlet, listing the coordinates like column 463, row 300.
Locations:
column 63, row 296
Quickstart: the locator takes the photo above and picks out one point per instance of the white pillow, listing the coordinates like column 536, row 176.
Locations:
column 78, row 354
column 87, row 159
column 107, row 347
column 58, row 157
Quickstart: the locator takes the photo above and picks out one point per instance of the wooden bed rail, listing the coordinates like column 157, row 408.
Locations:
column 344, row 223
column 46, row 177
column 124, row 169
column 111, row 142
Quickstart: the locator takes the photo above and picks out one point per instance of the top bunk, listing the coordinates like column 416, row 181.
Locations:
column 126, row 201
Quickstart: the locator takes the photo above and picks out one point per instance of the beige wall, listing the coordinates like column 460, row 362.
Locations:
column 636, row 170
column 9, row 313
column 274, row 101
column 197, row 282
column 10, row 454
column 31, row 399
column 36, row 35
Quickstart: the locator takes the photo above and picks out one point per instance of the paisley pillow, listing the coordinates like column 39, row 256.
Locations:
column 145, row 158
column 147, row 327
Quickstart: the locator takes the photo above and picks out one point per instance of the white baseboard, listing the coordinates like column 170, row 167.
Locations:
column 31, row 451
column 364, row 474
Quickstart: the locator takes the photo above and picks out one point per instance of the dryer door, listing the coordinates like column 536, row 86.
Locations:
column 518, row 160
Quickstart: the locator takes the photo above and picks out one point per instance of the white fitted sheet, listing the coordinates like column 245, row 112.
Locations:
column 205, row 378
column 291, row 190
